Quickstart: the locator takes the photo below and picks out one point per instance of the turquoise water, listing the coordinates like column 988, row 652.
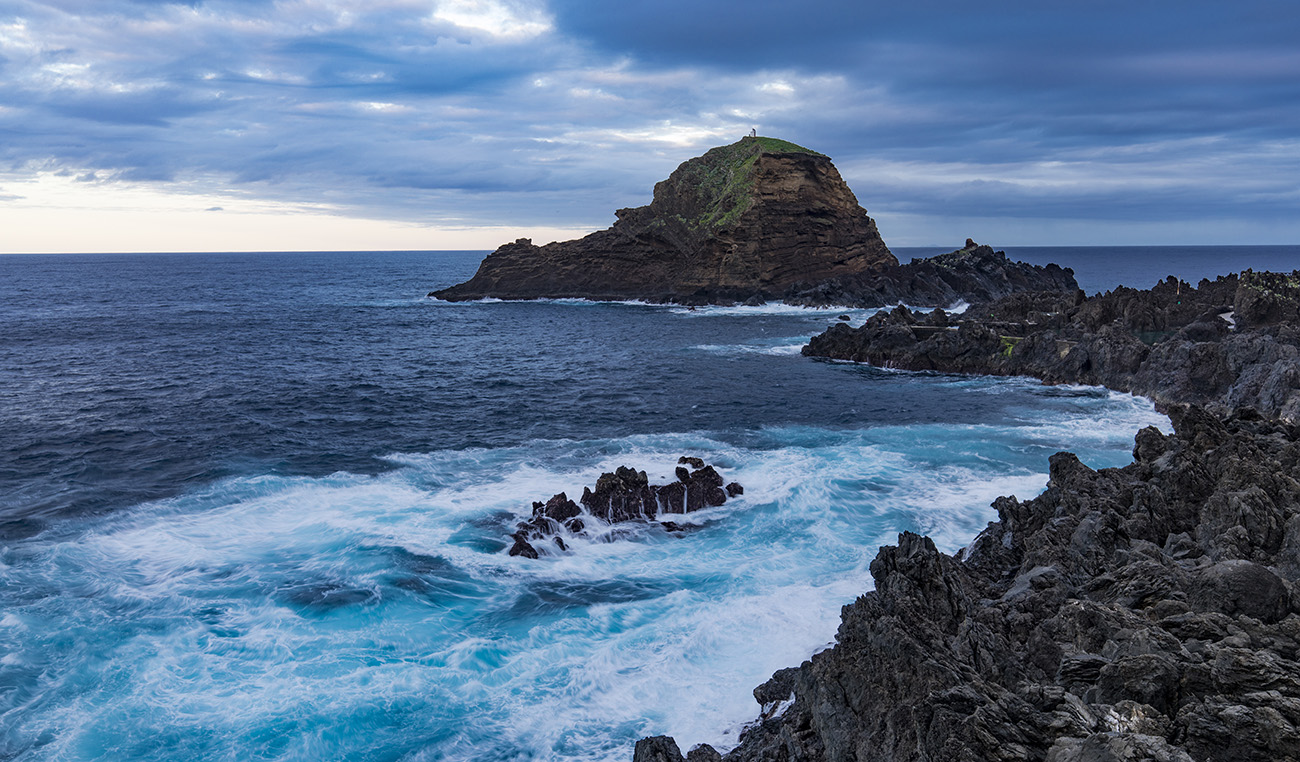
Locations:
column 256, row 507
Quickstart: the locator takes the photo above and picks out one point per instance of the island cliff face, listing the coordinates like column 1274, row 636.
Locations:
column 751, row 219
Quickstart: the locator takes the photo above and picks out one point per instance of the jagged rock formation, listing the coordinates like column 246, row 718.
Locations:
column 1225, row 344
column 970, row 274
column 621, row 496
column 1150, row 612
column 1147, row 612
column 750, row 219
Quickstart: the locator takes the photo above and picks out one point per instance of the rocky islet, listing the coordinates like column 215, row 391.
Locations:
column 746, row 220
column 621, row 496
column 759, row 220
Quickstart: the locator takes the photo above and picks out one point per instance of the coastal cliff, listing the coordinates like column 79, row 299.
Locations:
column 750, row 219
column 1145, row 612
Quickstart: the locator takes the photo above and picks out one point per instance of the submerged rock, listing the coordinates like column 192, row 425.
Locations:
column 621, row 496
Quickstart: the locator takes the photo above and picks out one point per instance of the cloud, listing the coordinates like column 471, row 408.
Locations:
column 475, row 112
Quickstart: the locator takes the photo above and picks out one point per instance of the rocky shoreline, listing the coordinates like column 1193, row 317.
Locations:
column 1224, row 344
column 1143, row 612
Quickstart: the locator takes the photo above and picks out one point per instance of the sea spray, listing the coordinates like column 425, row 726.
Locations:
column 378, row 616
column 255, row 506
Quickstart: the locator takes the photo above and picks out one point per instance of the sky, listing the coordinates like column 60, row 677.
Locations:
column 228, row 125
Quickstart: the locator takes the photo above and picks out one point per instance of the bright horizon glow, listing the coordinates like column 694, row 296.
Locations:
column 122, row 217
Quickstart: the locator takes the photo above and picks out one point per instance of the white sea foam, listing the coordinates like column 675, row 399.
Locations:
column 772, row 308
column 304, row 617
column 856, row 315
column 777, row 347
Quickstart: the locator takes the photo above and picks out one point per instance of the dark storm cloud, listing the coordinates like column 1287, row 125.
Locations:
column 490, row 111
column 840, row 34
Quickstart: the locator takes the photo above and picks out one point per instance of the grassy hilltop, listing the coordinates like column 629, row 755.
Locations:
column 723, row 178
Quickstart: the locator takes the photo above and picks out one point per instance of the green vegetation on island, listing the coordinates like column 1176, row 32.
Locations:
column 723, row 179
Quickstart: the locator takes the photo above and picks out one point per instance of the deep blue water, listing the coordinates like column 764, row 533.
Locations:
column 254, row 506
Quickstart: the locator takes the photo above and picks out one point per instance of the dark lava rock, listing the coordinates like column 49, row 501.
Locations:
column 622, row 496
column 1146, row 612
column 1149, row 612
column 559, row 508
column 522, row 547
column 973, row 273
column 743, row 222
column 703, row 753
column 657, row 749
column 778, row 688
column 665, row 749
column 1173, row 343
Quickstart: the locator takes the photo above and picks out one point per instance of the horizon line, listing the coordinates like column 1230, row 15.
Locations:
column 946, row 247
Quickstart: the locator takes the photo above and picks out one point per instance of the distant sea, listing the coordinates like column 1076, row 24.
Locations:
column 255, row 506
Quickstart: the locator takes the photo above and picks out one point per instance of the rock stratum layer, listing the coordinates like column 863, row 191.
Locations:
column 751, row 219
column 1148, row 612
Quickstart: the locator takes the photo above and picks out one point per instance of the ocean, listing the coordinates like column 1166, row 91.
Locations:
column 256, row 506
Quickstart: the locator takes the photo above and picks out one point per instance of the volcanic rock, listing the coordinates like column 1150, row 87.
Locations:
column 746, row 221
column 1150, row 612
column 1145, row 612
column 657, row 749
column 623, row 495
column 1225, row 344
column 973, row 273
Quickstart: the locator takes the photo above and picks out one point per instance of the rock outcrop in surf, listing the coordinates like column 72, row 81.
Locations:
column 622, row 495
column 750, row 219
column 1146, row 612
